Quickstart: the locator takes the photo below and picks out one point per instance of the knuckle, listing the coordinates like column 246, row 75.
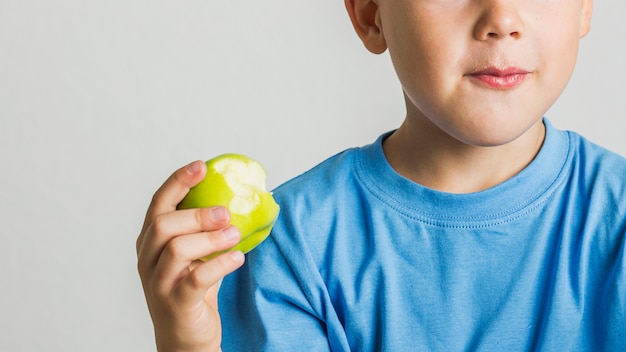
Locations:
column 138, row 244
column 156, row 197
column 141, row 269
column 178, row 177
column 142, row 266
column 203, row 218
column 208, row 244
column 176, row 249
column 159, row 225
column 198, row 278
column 140, row 241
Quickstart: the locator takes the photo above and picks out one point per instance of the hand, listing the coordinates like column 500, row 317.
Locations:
column 181, row 291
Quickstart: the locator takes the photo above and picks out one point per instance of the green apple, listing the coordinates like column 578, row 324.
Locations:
column 237, row 182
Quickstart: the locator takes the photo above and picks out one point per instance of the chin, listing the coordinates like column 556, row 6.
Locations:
column 493, row 136
column 495, row 141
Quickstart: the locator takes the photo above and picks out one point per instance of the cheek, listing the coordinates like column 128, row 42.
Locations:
column 427, row 62
column 421, row 42
column 561, row 53
column 557, row 34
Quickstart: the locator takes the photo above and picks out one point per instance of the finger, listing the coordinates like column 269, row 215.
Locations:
column 194, row 286
column 174, row 189
column 170, row 225
column 171, row 192
column 179, row 254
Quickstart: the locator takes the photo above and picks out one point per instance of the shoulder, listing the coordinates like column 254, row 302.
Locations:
column 322, row 182
column 596, row 163
column 323, row 174
column 311, row 197
column 315, row 204
column 337, row 175
column 595, row 152
column 599, row 175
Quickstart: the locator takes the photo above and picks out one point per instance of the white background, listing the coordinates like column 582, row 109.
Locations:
column 101, row 100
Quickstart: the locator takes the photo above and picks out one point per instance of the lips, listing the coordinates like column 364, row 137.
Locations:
column 501, row 79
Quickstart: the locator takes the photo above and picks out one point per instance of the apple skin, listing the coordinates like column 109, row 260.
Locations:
column 237, row 182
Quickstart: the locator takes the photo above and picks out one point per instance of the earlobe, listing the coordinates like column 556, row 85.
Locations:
column 365, row 19
column 585, row 17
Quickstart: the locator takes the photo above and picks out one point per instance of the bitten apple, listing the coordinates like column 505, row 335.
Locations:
column 237, row 182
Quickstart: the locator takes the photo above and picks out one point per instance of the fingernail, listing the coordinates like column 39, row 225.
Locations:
column 218, row 213
column 231, row 233
column 194, row 167
column 236, row 256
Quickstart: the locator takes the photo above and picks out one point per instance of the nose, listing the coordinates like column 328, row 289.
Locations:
column 499, row 19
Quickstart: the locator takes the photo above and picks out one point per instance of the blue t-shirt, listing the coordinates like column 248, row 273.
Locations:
column 363, row 259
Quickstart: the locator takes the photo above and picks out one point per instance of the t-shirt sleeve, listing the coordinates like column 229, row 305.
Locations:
column 268, row 305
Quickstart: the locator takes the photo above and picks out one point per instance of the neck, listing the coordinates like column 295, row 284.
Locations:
column 427, row 155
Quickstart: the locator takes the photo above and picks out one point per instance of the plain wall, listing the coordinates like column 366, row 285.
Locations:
column 101, row 100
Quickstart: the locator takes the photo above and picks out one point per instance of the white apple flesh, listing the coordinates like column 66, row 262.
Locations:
column 237, row 182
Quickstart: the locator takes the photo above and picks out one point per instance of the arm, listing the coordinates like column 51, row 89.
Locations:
column 181, row 291
column 277, row 301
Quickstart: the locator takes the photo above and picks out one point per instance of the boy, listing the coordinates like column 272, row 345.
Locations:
column 475, row 225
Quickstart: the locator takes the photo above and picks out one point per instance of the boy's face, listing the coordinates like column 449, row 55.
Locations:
column 483, row 71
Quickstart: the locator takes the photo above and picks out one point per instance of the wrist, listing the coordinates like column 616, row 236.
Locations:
column 168, row 345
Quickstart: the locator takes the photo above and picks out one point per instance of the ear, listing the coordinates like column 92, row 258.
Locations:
column 365, row 19
column 585, row 16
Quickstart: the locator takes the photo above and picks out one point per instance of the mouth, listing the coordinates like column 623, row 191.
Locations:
column 500, row 79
